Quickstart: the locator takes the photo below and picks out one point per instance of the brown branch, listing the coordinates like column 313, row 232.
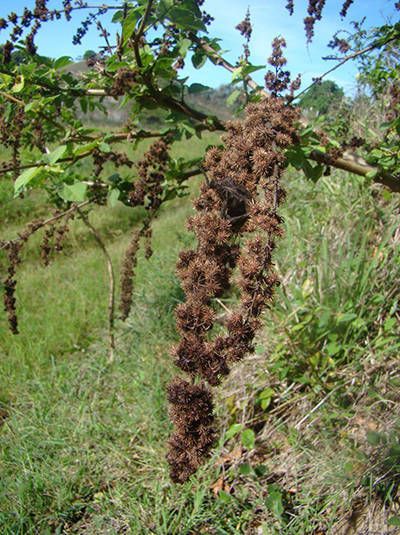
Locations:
column 217, row 59
column 111, row 295
column 12, row 99
column 118, row 136
column 40, row 224
column 358, row 167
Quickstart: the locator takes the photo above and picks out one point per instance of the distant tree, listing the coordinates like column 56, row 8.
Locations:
column 321, row 97
column 89, row 54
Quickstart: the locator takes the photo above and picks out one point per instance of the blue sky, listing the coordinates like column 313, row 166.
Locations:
column 269, row 18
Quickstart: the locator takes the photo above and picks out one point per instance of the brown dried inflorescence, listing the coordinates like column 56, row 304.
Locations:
column 13, row 249
column 147, row 192
column 241, row 197
column 127, row 271
column 345, row 7
column 278, row 80
column 314, row 10
column 246, row 29
column 192, row 413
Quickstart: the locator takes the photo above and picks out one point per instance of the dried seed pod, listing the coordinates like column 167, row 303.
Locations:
column 127, row 273
column 191, row 410
column 46, row 245
column 241, row 196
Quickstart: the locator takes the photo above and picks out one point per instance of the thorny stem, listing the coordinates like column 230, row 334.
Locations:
column 111, row 276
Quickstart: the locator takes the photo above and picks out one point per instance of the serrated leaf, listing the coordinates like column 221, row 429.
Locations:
column 55, row 155
column 63, row 61
column 113, row 197
column 74, row 192
column 27, row 176
column 233, row 430
column 185, row 18
column 233, row 97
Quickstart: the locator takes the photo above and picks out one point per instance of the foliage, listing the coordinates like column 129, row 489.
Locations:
column 321, row 97
column 89, row 54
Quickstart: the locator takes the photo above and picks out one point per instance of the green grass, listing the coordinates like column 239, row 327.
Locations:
column 83, row 440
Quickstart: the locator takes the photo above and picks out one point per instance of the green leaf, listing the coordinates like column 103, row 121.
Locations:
column 333, row 348
column 185, row 18
column 274, row 500
column 389, row 324
column 129, row 24
column 248, row 69
column 224, row 496
column 233, row 97
column 74, row 192
column 265, row 398
column 199, row 59
column 104, row 147
column 19, row 85
column 55, row 155
column 346, row 317
column 394, row 521
column 78, row 151
column 233, row 430
column 248, row 439
column 373, row 438
column 184, row 46
column 245, row 469
column 63, row 61
column 113, row 197
column 237, row 74
column 27, row 176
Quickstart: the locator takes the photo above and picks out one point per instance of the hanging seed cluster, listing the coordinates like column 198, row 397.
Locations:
column 52, row 239
column 13, row 250
column 54, row 236
column 314, row 13
column 31, row 21
column 277, row 80
column 245, row 28
column 236, row 224
column 146, row 191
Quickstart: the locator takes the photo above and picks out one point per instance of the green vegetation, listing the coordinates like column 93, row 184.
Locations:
column 322, row 97
column 309, row 420
column 308, row 424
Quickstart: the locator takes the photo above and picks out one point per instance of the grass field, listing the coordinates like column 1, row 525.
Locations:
column 83, row 439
